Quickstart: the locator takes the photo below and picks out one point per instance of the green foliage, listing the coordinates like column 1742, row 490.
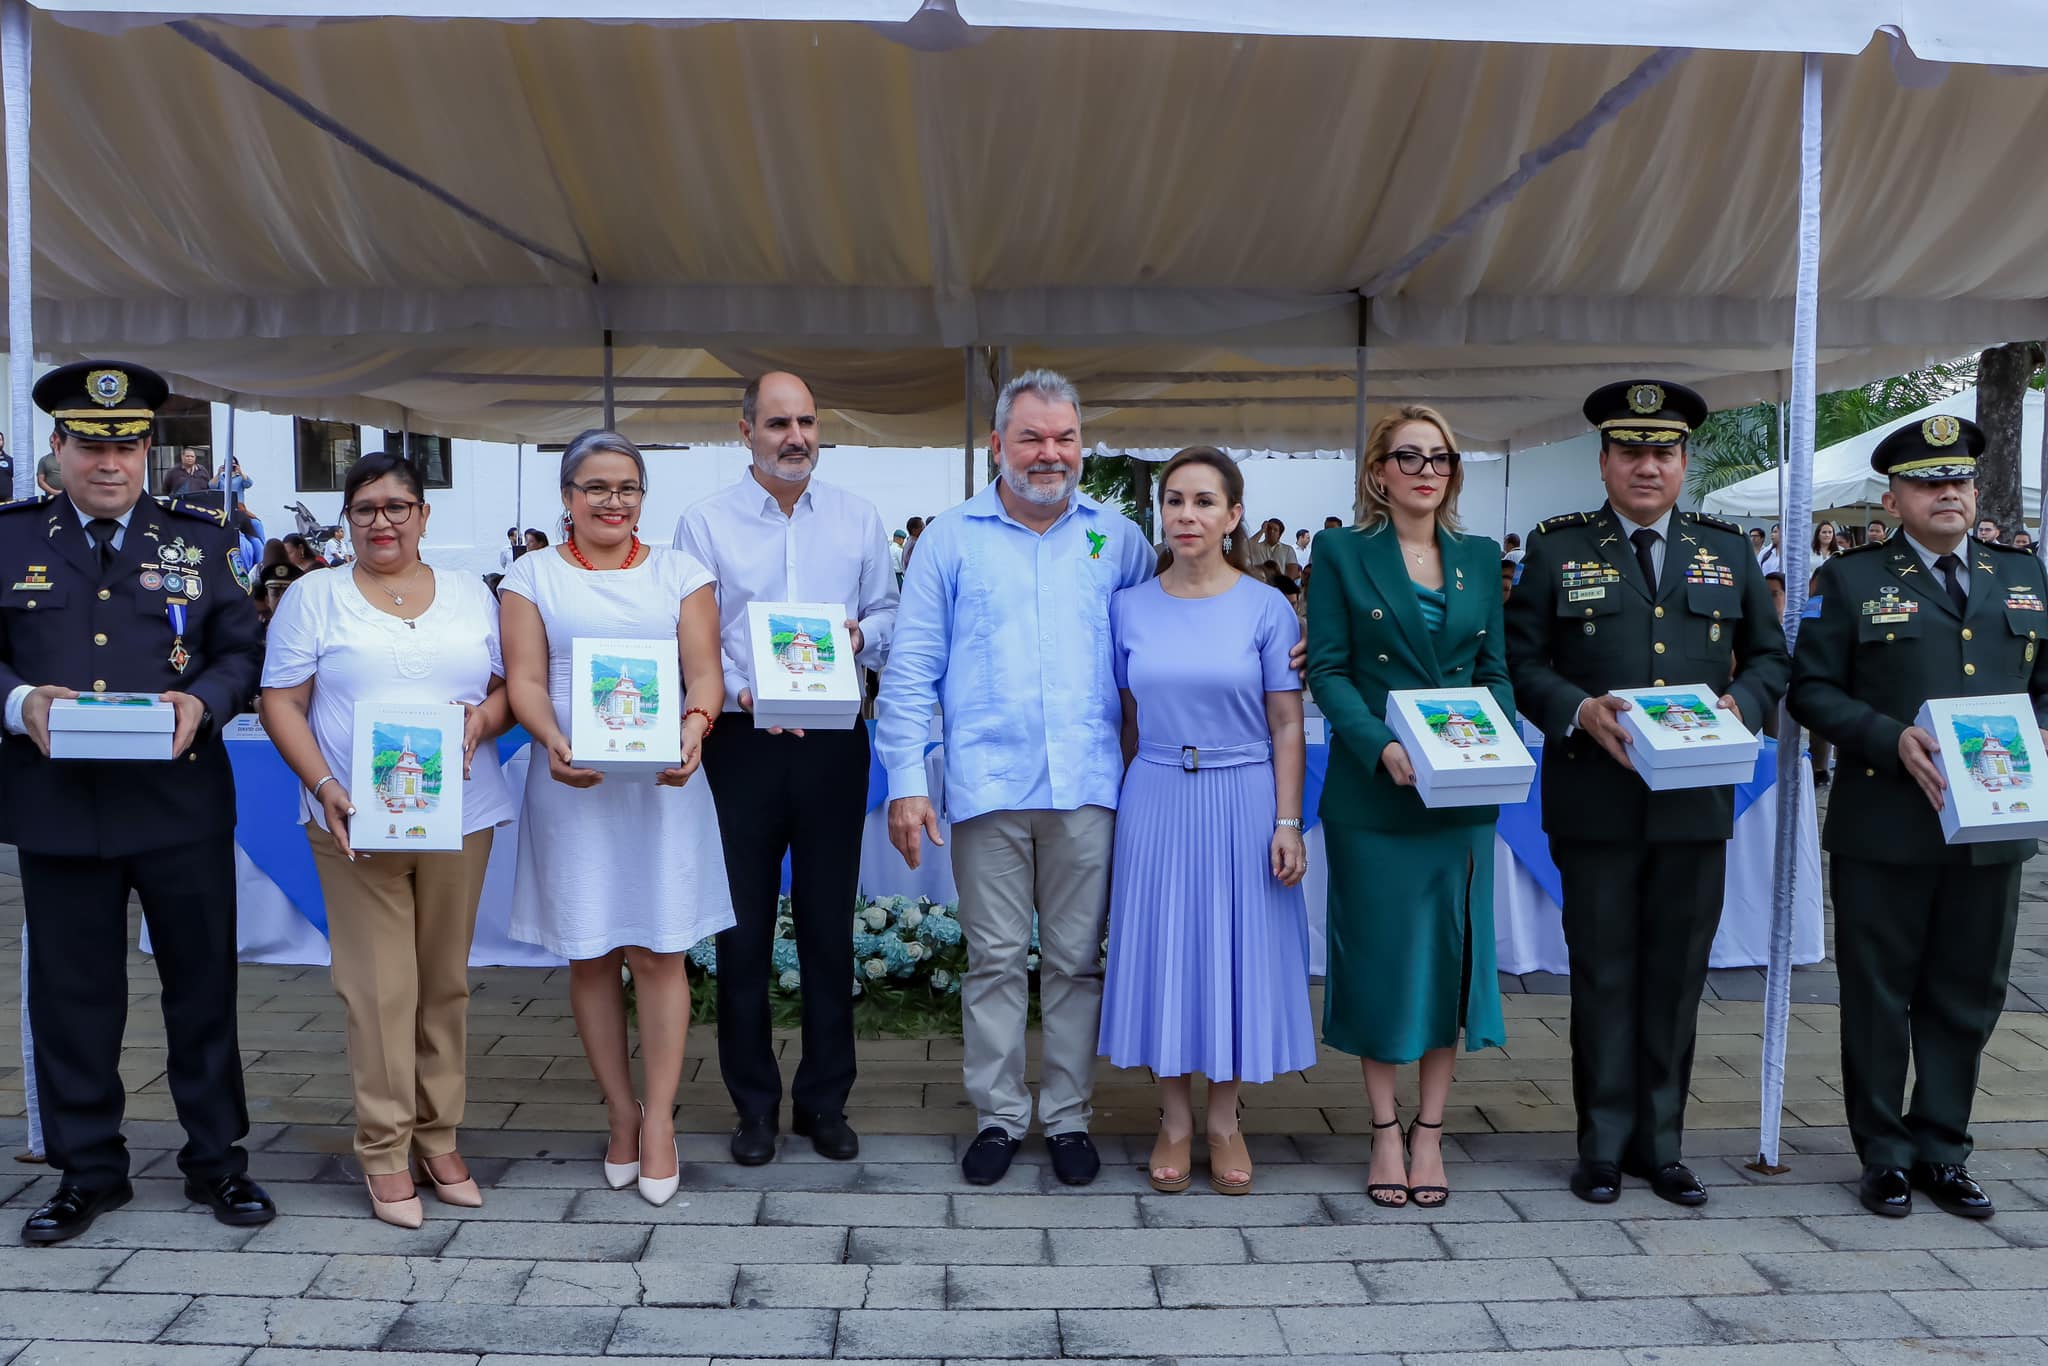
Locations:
column 1115, row 480
column 1736, row 443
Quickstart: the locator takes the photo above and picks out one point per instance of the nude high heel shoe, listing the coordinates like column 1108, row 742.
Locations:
column 619, row 1175
column 463, row 1193
column 406, row 1213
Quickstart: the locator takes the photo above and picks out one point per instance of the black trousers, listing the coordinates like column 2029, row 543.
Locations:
column 1639, row 922
column 78, row 1002
column 1923, row 951
column 806, row 796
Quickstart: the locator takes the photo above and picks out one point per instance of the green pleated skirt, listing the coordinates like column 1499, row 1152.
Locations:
column 1411, row 958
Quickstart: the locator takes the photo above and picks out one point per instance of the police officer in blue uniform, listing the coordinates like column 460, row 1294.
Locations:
column 105, row 589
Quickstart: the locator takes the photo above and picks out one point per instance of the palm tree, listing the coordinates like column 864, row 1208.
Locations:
column 1735, row 443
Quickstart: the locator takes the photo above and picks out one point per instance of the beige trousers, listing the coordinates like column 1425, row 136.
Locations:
column 399, row 926
column 1009, row 864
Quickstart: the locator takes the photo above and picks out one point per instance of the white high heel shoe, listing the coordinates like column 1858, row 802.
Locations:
column 619, row 1175
column 661, row 1190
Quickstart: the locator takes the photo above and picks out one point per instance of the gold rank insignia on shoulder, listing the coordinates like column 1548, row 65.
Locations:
column 1646, row 398
column 1941, row 430
column 107, row 387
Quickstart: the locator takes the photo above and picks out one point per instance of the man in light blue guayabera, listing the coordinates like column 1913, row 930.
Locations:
column 1004, row 622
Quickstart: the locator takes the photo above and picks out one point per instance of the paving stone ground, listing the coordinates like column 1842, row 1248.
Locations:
column 893, row 1259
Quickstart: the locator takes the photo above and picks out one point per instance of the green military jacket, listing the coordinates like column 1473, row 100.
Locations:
column 1366, row 638
column 1887, row 639
column 1583, row 622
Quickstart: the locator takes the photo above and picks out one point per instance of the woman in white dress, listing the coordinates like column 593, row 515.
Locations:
column 616, row 870
column 392, row 629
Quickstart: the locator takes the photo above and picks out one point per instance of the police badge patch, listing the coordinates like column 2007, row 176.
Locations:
column 238, row 569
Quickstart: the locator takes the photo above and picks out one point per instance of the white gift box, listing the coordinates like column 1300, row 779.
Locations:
column 1991, row 754
column 626, row 705
column 405, row 777
column 1462, row 747
column 802, row 668
column 112, row 725
column 1685, row 738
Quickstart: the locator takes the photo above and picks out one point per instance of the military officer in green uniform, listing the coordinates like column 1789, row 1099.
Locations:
column 1923, row 929
column 1637, row 595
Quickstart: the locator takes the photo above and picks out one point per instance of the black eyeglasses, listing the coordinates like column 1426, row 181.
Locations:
column 397, row 512
column 1412, row 461
column 604, row 495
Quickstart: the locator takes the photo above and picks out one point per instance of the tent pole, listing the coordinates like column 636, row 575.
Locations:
column 1358, row 381
column 967, row 439
column 1794, row 793
column 610, row 419
column 224, row 465
column 21, row 343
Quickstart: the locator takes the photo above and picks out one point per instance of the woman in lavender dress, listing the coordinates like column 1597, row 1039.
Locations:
column 1208, row 935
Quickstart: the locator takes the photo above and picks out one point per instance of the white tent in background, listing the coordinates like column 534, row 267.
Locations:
column 1842, row 477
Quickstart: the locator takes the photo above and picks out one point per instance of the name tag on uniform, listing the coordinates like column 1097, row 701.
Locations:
column 1586, row 595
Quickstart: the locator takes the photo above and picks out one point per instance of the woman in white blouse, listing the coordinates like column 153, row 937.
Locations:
column 617, row 870
column 390, row 628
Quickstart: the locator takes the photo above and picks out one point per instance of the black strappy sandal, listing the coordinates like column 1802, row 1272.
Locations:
column 1415, row 1193
column 1378, row 1193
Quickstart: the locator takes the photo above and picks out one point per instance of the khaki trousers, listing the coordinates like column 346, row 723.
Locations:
column 1009, row 864
column 399, row 926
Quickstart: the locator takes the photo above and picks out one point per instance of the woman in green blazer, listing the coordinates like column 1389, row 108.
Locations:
column 1403, row 600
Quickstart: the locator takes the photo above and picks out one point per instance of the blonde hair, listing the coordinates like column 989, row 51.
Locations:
column 1372, row 507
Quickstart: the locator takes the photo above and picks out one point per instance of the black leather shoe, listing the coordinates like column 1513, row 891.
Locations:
column 71, row 1211
column 989, row 1156
column 1674, row 1182
column 753, row 1140
column 234, row 1198
column 1074, row 1159
column 1949, row 1185
column 1597, row 1183
column 1885, row 1190
column 831, row 1135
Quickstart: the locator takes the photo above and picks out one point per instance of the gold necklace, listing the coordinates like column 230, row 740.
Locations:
column 1416, row 555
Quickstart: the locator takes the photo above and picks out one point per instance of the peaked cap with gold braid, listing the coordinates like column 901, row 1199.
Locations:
column 1938, row 447
column 102, row 400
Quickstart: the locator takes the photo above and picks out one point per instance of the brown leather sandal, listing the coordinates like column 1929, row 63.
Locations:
column 1176, row 1154
column 1229, row 1155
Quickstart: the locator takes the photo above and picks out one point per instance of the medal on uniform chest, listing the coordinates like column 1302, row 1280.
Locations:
column 151, row 580
column 1714, row 632
column 176, row 613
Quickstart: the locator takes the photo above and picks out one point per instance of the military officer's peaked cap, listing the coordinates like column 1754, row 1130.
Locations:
column 1938, row 447
column 1645, row 412
column 102, row 400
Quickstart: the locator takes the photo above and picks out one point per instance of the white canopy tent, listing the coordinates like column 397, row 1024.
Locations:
column 1843, row 478
column 435, row 226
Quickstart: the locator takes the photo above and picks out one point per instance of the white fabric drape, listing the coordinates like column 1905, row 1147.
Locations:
column 896, row 205
column 15, row 54
column 1793, row 788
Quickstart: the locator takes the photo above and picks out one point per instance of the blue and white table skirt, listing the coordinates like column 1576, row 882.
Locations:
column 283, row 917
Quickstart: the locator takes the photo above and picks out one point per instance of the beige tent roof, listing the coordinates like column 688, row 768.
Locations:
column 1129, row 206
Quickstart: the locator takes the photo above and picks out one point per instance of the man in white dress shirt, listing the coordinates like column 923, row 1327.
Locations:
column 779, row 535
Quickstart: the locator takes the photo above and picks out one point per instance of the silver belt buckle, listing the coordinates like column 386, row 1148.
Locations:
column 1190, row 759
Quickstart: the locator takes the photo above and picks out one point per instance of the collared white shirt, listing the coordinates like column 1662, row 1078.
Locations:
column 11, row 720
column 1928, row 557
column 1662, row 526
column 830, row 548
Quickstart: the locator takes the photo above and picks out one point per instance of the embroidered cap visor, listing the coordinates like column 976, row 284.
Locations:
column 101, row 400
column 1941, row 447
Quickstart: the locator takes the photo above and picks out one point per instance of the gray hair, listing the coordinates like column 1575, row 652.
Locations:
column 596, row 441
column 1050, row 385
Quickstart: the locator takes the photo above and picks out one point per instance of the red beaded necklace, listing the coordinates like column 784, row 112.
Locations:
column 577, row 555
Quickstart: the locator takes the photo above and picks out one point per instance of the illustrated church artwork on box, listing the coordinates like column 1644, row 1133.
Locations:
column 406, row 795
column 1461, row 724
column 625, row 691
column 404, row 785
column 803, row 645
column 1994, row 752
column 1687, row 713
